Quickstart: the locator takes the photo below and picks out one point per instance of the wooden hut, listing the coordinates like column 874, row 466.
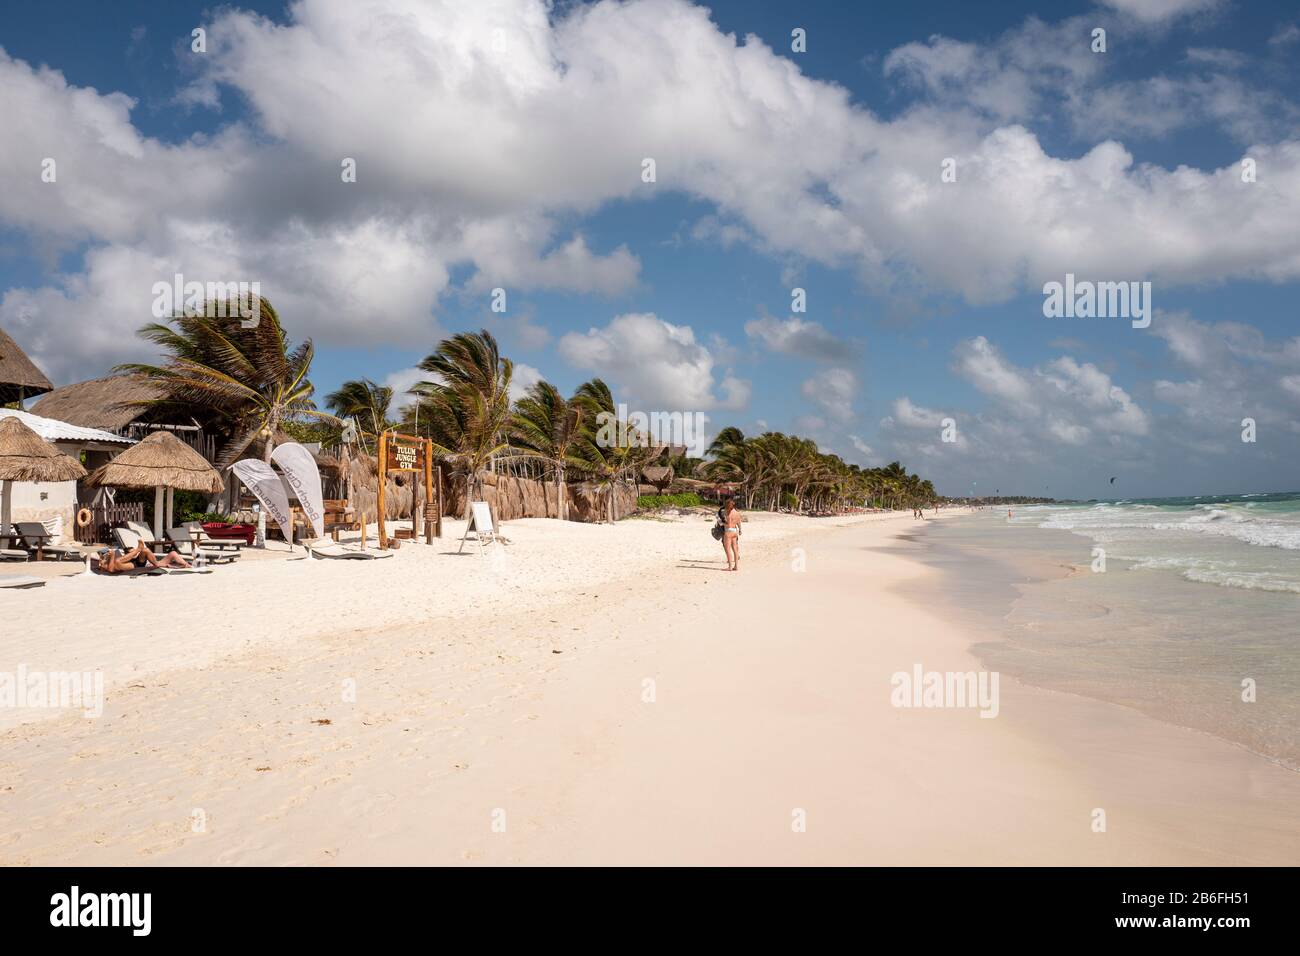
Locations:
column 109, row 404
column 162, row 462
column 25, row 457
column 57, row 500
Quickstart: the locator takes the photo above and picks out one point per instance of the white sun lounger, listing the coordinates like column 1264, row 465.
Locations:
column 147, row 571
column 126, row 542
column 325, row 548
column 207, row 541
column 184, row 543
column 20, row 581
column 145, row 534
column 127, row 539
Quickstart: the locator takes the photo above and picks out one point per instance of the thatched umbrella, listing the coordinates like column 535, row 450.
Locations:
column 661, row 476
column 19, row 376
column 26, row 456
column 160, row 461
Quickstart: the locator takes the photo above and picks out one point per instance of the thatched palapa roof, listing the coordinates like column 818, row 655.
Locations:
column 163, row 460
column 19, row 376
column 330, row 463
column 26, row 456
column 657, row 473
column 98, row 403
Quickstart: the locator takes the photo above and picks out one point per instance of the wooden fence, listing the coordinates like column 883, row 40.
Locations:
column 104, row 517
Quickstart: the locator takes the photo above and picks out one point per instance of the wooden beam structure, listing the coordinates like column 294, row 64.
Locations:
column 383, row 483
column 414, row 454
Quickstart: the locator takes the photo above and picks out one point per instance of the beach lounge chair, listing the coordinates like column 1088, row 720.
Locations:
column 134, row 573
column 126, row 541
column 184, row 543
column 145, row 534
column 7, row 550
column 206, row 540
column 325, row 548
column 17, row 581
column 40, row 542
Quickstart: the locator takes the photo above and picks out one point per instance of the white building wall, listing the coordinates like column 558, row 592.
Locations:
column 41, row 500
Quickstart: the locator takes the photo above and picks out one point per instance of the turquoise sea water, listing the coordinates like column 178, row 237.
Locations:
column 1241, row 541
column 1197, row 596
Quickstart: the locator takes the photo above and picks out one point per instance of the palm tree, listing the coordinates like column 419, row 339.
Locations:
column 778, row 471
column 731, row 435
column 747, row 462
column 610, row 463
column 245, row 382
column 548, row 427
column 467, row 410
column 895, row 476
column 367, row 404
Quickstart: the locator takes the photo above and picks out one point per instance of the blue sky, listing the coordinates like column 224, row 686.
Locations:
column 498, row 144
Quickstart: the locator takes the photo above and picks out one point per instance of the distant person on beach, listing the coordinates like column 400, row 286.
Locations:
column 117, row 561
column 729, row 517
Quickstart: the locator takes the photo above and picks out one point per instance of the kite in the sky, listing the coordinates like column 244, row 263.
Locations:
column 1112, row 481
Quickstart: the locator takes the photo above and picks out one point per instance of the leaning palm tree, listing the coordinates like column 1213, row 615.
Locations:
column 728, row 437
column 466, row 410
column 611, row 462
column 741, row 461
column 245, row 382
column 548, row 427
column 367, row 404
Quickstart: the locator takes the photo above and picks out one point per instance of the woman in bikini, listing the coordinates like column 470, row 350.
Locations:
column 731, row 519
column 117, row 561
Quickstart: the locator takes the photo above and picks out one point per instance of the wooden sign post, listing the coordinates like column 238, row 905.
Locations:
column 409, row 453
column 383, row 483
column 437, row 477
column 428, row 493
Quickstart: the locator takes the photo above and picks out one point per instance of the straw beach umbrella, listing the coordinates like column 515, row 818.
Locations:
column 161, row 461
column 26, row 456
column 19, row 376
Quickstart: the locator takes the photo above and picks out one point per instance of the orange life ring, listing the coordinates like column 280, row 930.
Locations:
column 84, row 518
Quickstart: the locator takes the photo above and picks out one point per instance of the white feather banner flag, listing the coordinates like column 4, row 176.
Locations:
column 303, row 476
column 263, row 482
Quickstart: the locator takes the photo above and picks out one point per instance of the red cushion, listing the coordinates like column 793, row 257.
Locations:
column 245, row 531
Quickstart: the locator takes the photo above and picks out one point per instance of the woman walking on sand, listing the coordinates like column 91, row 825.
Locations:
column 730, row 518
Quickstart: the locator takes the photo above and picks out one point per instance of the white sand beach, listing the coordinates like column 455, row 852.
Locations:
column 591, row 694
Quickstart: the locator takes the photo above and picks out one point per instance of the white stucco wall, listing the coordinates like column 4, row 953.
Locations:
column 39, row 500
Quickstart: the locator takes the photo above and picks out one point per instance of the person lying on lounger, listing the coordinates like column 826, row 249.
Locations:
column 117, row 561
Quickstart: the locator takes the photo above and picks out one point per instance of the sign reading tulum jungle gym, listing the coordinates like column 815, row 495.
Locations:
column 412, row 454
